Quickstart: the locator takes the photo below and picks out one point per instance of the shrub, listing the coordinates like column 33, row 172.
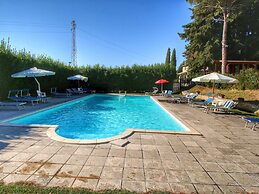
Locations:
column 248, row 79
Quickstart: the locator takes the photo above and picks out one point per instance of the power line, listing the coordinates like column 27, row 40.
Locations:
column 113, row 44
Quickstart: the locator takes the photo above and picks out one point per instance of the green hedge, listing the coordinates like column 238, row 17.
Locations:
column 134, row 78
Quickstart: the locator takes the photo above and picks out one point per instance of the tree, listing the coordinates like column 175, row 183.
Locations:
column 173, row 59
column 225, row 8
column 167, row 60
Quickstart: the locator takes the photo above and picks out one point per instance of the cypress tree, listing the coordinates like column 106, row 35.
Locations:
column 167, row 60
column 173, row 59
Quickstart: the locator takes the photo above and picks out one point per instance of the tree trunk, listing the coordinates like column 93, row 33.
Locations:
column 224, row 41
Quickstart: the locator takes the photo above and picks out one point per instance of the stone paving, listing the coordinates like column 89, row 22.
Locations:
column 225, row 159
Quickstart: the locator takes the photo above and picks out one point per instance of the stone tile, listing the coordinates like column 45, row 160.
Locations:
column 83, row 151
column 135, row 186
column 77, row 159
column 12, row 178
column 22, row 157
column 133, row 154
column 172, row 165
column 221, row 178
column 135, row 147
column 149, row 147
column 192, row 166
column 199, row 177
column 174, row 176
column 155, row 175
column 180, row 149
column 70, row 171
column 111, row 184
column 3, row 175
column 190, row 143
column 133, row 174
column 114, row 161
column 9, row 167
column 28, row 168
column 250, row 168
column 157, row 186
column 185, row 157
column 67, row 150
column 166, row 149
column 168, row 156
column 34, row 149
column 244, row 179
column 134, row 163
column 83, row 182
column 117, row 153
column 231, row 189
column 100, row 152
column 48, row 169
column 211, row 167
column 151, row 154
column 50, row 149
column 95, row 161
column 61, row 182
column 90, row 172
column 153, row 163
column 59, row 158
column 182, row 188
column 39, row 180
column 252, row 189
column 207, row 189
column 231, row 167
column 112, row 173
column 7, row 155
column 204, row 157
column 40, row 158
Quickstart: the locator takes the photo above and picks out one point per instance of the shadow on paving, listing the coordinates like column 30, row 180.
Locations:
column 12, row 133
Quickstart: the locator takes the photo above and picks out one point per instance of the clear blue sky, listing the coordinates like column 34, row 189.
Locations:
column 109, row 32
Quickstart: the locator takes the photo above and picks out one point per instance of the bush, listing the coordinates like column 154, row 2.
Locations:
column 248, row 79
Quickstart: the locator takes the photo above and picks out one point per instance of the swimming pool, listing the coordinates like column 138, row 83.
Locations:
column 103, row 116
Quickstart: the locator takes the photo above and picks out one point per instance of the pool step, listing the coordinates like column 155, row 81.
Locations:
column 120, row 142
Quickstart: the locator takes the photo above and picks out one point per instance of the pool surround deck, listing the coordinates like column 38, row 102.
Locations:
column 225, row 159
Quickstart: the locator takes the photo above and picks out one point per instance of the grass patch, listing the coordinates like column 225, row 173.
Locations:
column 234, row 94
column 243, row 113
column 30, row 188
column 25, row 188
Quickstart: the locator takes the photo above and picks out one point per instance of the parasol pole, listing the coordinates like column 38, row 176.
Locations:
column 37, row 83
column 213, row 86
column 161, row 87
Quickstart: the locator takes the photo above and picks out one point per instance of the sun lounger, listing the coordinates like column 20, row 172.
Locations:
column 154, row 92
column 42, row 95
column 253, row 121
column 188, row 98
column 225, row 108
column 29, row 99
column 18, row 105
column 77, row 91
column 167, row 93
column 201, row 103
column 54, row 92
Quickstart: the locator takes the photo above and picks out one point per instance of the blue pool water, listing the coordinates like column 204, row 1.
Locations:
column 101, row 116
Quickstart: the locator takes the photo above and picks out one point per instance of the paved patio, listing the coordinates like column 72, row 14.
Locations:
column 224, row 160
